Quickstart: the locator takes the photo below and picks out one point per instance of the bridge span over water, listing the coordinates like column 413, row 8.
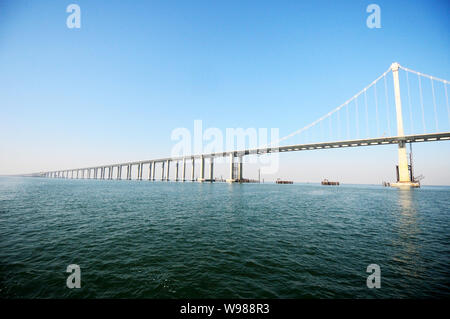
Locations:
column 351, row 116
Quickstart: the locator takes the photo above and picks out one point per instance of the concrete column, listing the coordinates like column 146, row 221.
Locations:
column 231, row 168
column 176, row 171
column 403, row 170
column 193, row 170
column 153, row 171
column 202, row 170
column 150, row 171
column 211, row 169
column 141, row 168
column 240, row 173
column 119, row 172
column 138, row 171
column 168, row 168
column 162, row 171
column 183, row 178
column 129, row 168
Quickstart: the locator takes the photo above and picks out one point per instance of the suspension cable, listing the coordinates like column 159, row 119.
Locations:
column 367, row 114
column 421, row 103
column 348, row 124
column 388, row 111
column 434, row 105
column 411, row 124
column 446, row 100
column 425, row 75
column 376, row 109
column 331, row 112
column 357, row 117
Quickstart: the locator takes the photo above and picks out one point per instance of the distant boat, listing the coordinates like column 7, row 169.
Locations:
column 279, row 181
column 327, row 182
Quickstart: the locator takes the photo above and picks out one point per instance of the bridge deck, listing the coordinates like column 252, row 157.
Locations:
column 298, row 147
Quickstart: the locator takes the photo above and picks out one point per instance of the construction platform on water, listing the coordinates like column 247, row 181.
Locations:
column 279, row 181
column 327, row 182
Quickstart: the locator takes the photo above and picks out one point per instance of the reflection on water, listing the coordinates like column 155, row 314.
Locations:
column 408, row 230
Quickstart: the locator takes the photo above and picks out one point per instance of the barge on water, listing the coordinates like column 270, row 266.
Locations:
column 327, row 182
column 279, row 181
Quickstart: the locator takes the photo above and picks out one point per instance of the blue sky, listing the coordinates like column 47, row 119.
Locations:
column 115, row 89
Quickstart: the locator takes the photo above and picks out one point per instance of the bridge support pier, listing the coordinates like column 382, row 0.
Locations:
column 153, row 171
column 404, row 180
column 193, row 170
column 211, row 169
column 202, row 170
column 232, row 178
column 236, row 169
column 140, row 169
column 168, row 171
column 183, row 177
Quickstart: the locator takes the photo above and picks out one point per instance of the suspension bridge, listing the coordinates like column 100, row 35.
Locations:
column 373, row 116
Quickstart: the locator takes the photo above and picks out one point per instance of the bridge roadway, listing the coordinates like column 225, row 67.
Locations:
column 233, row 154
